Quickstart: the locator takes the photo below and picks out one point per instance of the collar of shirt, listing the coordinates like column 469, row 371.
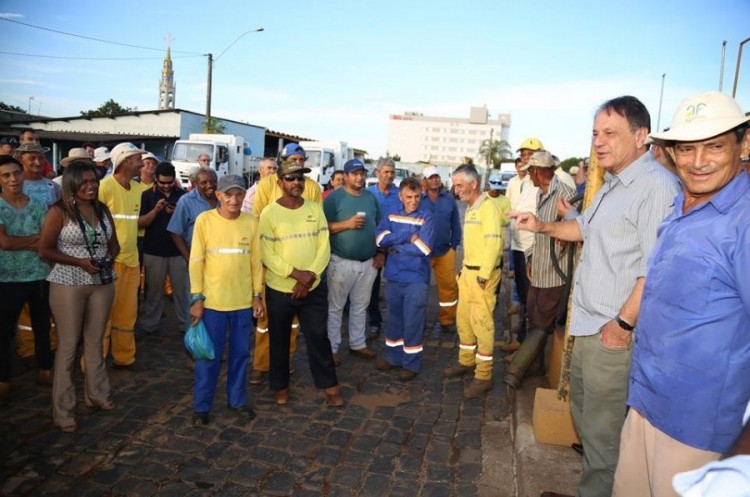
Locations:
column 723, row 200
column 628, row 175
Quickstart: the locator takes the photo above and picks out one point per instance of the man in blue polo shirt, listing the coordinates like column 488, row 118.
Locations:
column 447, row 237
column 201, row 198
column 690, row 377
column 387, row 196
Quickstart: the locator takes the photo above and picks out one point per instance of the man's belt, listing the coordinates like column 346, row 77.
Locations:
column 477, row 268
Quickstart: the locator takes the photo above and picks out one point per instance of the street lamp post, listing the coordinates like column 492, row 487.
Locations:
column 211, row 61
column 29, row 109
column 737, row 69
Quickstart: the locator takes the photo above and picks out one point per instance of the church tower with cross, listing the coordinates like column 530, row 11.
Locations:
column 167, row 87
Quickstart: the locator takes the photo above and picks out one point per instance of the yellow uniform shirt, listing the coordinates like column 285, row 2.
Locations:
column 269, row 191
column 293, row 239
column 503, row 205
column 125, row 206
column 483, row 236
column 225, row 263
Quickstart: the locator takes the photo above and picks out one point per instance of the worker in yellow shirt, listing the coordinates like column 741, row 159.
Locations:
column 122, row 195
column 225, row 283
column 267, row 192
column 477, row 283
column 295, row 248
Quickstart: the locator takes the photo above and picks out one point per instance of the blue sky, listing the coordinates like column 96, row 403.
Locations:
column 335, row 70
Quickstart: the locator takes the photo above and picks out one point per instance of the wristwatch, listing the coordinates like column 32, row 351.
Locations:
column 622, row 324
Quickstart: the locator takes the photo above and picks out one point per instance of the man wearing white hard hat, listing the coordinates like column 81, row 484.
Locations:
column 103, row 162
column 122, row 195
column 689, row 382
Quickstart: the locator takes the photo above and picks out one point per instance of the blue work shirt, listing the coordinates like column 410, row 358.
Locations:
column 408, row 261
column 690, row 375
column 387, row 202
column 185, row 213
column 447, row 222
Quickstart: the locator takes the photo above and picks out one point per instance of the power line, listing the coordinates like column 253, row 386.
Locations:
column 92, row 38
column 94, row 58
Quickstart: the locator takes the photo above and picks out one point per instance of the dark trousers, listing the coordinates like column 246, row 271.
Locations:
column 14, row 296
column 522, row 287
column 373, row 310
column 312, row 311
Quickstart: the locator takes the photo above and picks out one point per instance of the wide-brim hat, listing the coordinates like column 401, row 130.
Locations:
column 542, row 158
column 121, row 152
column 703, row 116
column 29, row 147
column 76, row 155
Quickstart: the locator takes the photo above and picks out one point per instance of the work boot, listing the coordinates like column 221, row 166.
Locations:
column 282, row 397
column 406, row 375
column 510, row 346
column 456, row 371
column 363, row 353
column 385, row 366
column 333, row 397
column 257, row 377
column 200, row 418
column 477, row 388
column 244, row 413
column 44, row 377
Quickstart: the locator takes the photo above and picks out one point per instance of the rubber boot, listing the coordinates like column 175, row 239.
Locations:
column 530, row 348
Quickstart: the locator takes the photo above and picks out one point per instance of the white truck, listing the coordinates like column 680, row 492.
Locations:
column 323, row 158
column 229, row 154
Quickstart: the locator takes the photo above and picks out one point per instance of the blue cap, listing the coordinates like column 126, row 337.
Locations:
column 292, row 149
column 9, row 140
column 354, row 165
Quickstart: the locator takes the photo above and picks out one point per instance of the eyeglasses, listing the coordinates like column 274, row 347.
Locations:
column 291, row 178
column 496, row 182
column 165, row 183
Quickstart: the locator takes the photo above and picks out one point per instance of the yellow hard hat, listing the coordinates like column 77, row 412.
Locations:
column 531, row 144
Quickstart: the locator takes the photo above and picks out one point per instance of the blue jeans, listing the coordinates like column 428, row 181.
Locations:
column 240, row 325
column 407, row 304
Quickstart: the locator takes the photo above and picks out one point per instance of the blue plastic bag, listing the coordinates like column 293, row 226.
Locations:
column 199, row 343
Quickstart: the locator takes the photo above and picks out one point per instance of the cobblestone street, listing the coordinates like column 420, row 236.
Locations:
column 419, row 438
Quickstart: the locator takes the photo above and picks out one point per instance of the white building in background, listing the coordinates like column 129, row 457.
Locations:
column 444, row 140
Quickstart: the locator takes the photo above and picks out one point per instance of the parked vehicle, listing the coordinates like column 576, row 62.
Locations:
column 229, row 154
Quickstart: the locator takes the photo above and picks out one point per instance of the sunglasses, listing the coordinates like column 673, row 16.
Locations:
column 296, row 159
column 496, row 182
column 295, row 177
column 165, row 183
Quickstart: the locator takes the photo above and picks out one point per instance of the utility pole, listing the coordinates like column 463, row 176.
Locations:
column 207, row 124
column 661, row 97
column 737, row 69
column 489, row 149
column 721, row 69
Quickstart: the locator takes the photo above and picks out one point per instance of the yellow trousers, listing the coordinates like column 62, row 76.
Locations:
column 25, row 334
column 119, row 332
column 262, row 348
column 475, row 323
column 444, row 268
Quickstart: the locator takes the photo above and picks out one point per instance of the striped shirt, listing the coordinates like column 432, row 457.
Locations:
column 619, row 232
column 543, row 274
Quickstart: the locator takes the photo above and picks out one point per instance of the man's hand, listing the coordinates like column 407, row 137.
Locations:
column 160, row 205
column 258, row 307
column 378, row 261
column 306, row 278
column 614, row 337
column 356, row 222
column 563, row 207
column 528, row 272
column 196, row 312
column 299, row 291
column 526, row 221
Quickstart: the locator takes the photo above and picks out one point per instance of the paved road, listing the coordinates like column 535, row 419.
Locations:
column 393, row 439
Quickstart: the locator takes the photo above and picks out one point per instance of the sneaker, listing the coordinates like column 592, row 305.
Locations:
column 337, row 358
column 257, row 377
column 244, row 413
column 406, row 375
column 456, row 371
column 385, row 366
column 477, row 388
column 200, row 418
column 363, row 353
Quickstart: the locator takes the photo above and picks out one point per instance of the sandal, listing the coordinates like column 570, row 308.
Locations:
column 69, row 428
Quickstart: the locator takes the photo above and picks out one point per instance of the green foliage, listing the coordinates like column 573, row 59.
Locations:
column 570, row 162
column 212, row 126
column 495, row 152
column 12, row 108
column 108, row 109
column 394, row 157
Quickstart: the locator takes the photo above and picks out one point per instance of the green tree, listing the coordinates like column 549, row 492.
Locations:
column 107, row 109
column 570, row 162
column 213, row 127
column 495, row 152
column 394, row 157
column 12, row 108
